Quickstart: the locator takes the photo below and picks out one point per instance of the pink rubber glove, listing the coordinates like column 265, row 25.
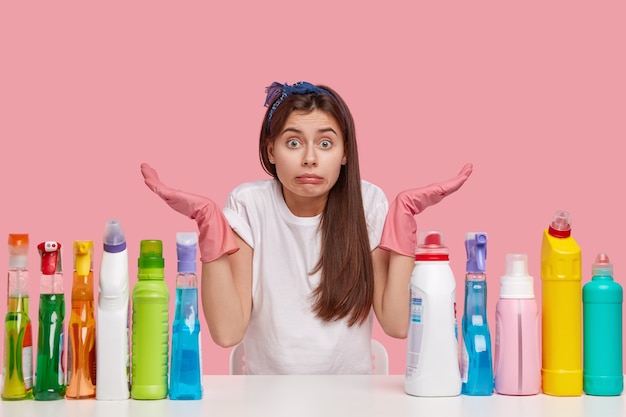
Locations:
column 399, row 233
column 216, row 238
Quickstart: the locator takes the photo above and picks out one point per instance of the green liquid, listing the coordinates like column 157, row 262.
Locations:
column 50, row 374
column 17, row 384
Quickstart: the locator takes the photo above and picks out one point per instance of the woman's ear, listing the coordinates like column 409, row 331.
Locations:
column 344, row 160
column 270, row 152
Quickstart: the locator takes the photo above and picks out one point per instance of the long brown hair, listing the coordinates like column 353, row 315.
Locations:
column 346, row 287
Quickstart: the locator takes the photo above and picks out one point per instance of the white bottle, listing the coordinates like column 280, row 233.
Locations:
column 432, row 363
column 112, row 352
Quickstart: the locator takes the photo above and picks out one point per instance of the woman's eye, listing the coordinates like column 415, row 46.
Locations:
column 292, row 143
column 325, row 144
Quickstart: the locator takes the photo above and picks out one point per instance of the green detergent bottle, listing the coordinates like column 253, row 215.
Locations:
column 150, row 328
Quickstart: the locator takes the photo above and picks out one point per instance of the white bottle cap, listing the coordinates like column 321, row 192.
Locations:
column 516, row 283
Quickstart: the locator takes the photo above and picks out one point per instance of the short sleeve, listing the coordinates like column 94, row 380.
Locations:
column 376, row 206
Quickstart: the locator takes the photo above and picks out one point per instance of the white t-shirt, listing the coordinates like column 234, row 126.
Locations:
column 284, row 336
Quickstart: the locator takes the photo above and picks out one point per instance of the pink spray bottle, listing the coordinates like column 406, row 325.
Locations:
column 517, row 358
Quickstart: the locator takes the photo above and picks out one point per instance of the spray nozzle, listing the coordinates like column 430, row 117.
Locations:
column 476, row 248
column 83, row 254
column 18, row 250
column 50, row 252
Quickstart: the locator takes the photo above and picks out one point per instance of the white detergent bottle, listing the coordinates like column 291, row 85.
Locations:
column 432, row 363
column 112, row 351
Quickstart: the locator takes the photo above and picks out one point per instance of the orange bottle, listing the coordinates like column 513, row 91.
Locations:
column 81, row 363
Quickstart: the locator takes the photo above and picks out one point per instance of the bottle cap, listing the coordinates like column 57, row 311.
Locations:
column 186, row 244
column 50, row 252
column 430, row 246
column 114, row 240
column 83, row 257
column 516, row 283
column 561, row 224
column 602, row 267
column 476, row 249
column 150, row 254
column 18, row 250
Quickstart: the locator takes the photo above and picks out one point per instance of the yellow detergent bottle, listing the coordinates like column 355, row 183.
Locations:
column 561, row 274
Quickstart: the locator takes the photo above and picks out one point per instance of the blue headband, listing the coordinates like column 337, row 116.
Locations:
column 285, row 90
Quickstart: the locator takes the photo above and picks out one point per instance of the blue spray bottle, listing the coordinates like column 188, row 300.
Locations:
column 185, row 363
column 476, row 360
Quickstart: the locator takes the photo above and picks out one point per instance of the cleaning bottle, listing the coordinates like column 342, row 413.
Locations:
column 150, row 335
column 432, row 363
column 185, row 363
column 602, row 331
column 517, row 357
column 561, row 368
column 112, row 340
column 81, row 359
column 50, row 373
column 476, row 360
column 17, row 370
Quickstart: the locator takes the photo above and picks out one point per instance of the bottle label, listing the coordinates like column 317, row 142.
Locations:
column 61, row 360
column 416, row 326
column 27, row 357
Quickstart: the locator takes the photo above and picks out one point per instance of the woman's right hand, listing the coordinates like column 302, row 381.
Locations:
column 216, row 237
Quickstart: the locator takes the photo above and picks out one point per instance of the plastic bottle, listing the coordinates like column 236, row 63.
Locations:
column 602, row 330
column 81, row 359
column 561, row 368
column 17, row 372
column 432, row 365
column 517, row 357
column 150, row 336
column 185, row 363
column 50, row 374
column 476, row 360
column 112, row 340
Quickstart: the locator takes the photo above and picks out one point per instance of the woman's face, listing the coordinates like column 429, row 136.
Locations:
column 308, row 154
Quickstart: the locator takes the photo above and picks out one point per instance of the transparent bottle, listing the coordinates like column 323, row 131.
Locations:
column 432, row 363
column 50, row 374
column 476, row 360
column 185, row 363
column 150, row 325
column 17, row 372
column 81, row 360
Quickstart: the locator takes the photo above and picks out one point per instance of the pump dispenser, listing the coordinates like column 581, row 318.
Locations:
column 50, row 374
column 517, row 358
column 186, row 364
column 432, row 365
column 561, row 309
column 17, row 373
column 476, row 360
column 150, row 336
column 602, row 324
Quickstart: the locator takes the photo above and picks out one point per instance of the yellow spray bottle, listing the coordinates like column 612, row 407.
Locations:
column 561, row 274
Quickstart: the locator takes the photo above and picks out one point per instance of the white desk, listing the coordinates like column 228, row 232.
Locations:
column 301, row 396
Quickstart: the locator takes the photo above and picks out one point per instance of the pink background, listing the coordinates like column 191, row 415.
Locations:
column 533, row 94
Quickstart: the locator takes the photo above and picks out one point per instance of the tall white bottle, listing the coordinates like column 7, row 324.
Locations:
column 432, row 363
column 112, row 352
